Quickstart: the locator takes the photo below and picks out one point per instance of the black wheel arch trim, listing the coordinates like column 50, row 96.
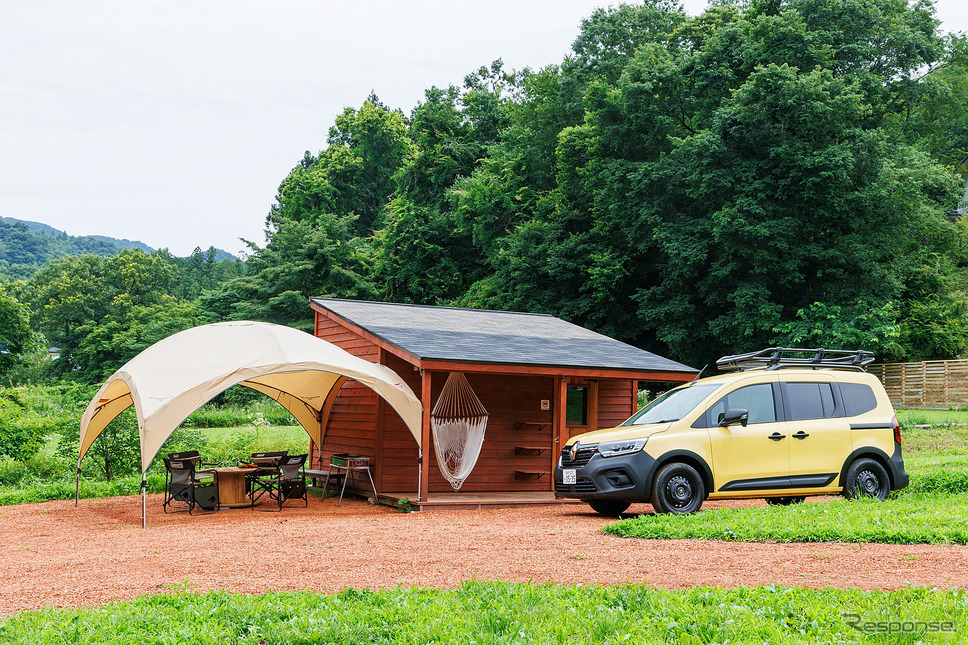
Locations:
column 873, row 453
column 685, row 456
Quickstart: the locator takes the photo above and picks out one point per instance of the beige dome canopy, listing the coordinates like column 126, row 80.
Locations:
column 175, row 376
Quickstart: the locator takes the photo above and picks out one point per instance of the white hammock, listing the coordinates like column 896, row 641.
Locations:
column 458, row 420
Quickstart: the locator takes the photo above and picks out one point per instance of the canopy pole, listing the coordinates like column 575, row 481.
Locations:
column 77, row 485
column 144, row 502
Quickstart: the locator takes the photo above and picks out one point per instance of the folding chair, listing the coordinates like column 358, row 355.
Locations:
column 195, row 456
column 262, row 478
column 290, row 483
column 184, row 486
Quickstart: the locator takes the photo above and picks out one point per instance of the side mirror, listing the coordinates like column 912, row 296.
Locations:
column 734, row 416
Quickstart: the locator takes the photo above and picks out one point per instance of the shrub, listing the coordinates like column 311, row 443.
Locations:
column 938, row 481
column 21, row 433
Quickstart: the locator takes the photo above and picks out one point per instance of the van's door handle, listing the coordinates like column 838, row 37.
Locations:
column 801, row 435
column 776, row 436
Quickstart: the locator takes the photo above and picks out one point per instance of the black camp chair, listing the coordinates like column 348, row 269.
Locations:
column 195, row 456
column 263, row 476
column 184, row 486
column 290, row 482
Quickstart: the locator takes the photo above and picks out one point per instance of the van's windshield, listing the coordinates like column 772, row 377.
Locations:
column 673, row 405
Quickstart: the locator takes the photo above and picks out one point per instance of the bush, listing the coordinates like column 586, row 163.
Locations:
column 938, row 481
column 213, row 415
column 239, row 446
column 23, row 433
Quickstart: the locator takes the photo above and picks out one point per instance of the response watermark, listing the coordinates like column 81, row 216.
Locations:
column 855, row 621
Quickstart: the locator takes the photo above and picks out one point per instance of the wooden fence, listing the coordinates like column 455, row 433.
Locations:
column 927, row 384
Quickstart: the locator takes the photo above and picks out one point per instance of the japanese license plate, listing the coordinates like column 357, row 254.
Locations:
column 569, row 476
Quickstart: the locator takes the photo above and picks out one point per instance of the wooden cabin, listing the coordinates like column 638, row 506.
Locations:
column 542, row 380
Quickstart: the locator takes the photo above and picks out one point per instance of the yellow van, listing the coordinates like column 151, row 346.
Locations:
column 779, row 424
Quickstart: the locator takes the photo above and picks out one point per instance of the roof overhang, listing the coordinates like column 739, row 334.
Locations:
column 432, row 363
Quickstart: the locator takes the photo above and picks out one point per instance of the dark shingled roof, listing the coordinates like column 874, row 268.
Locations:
column 500, row 337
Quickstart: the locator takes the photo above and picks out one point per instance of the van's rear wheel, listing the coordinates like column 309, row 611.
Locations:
column 608, row 507
column 867, row 478
column 678, row 489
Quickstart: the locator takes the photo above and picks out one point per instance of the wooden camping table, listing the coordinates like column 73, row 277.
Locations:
column 231, row 486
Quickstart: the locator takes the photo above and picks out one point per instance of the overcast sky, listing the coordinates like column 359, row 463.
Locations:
column 172, row 122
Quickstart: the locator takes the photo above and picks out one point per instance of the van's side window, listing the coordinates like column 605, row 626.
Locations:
column 858, row 398
column 757, row 399
column 810, row 400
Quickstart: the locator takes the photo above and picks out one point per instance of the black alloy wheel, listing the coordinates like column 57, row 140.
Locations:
column 678, row 489
column 867, row 478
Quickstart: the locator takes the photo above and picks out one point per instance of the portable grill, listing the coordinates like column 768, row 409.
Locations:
column 351, row 464
column 348, row 461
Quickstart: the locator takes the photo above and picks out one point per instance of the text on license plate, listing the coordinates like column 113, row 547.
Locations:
column 569, row 476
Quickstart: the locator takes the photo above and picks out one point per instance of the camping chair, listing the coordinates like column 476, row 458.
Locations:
column 184, row 486
column 195, row 456
column 290, row 482
column 262, row 478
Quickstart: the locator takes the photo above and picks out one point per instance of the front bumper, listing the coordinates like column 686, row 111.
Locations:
column 625, row 477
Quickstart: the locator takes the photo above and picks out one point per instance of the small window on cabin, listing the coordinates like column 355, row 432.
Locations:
column 810, row 401
column 576, row 405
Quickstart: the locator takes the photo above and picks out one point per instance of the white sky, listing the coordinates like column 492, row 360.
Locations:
column 173, row 122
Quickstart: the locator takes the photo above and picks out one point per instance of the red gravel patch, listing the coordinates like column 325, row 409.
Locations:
column 56, row 555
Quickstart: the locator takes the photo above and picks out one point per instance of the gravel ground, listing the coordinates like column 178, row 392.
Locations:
column 56, row 555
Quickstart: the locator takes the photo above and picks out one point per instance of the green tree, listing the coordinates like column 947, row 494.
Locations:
column 425, row 251
column 115, row 453
column 16, row 337
column 108, row 343
column 301, row 260
column 72, row 297
column 729, row 171
column 872, row 328
column 366, row 148
column 938, row 119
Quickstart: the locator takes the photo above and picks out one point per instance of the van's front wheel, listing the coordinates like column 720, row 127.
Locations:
column 678, row 489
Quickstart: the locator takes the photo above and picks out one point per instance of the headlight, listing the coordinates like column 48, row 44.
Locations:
column 615, row 448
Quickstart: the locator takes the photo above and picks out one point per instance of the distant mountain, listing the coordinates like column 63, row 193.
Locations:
column 34, row 227
column 26, row 245
column 124, row 244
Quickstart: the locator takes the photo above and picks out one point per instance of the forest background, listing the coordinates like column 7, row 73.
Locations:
column 773, row 171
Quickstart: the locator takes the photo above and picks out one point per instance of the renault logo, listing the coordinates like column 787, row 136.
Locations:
column 574, row 452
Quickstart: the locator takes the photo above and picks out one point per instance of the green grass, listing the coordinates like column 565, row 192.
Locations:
column 510, row 613
column 932, row 510
column 913, row 417
column 908, row 519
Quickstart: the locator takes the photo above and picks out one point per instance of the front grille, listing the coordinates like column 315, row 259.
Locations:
column 581, row 457
column 583, row 486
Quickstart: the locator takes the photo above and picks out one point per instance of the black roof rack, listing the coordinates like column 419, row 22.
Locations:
column 773, row 358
